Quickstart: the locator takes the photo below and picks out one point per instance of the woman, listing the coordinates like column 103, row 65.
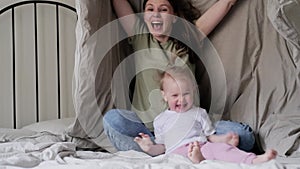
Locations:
column 157, row 40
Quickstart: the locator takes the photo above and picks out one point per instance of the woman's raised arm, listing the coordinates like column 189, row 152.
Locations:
column 123, row 8
column 211, row 18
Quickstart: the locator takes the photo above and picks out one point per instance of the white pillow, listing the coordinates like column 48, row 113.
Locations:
column 12, row 134
column 57, row 126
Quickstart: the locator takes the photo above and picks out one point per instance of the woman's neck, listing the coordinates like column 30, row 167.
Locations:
column 161, row 38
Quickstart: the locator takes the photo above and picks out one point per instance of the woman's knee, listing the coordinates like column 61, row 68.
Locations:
column 120, row 119
column 112, row 117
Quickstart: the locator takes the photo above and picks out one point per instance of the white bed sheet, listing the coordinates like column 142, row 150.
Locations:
column 46, row 150
column 30, row 151
column 137, row 160
column 23, row 148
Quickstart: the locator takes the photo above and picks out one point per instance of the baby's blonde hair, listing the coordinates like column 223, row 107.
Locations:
column 177, row 73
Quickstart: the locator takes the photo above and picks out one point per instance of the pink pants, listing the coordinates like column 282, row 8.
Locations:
column 219, row 151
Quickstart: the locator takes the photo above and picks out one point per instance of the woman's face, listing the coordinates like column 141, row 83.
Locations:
column 159, row 17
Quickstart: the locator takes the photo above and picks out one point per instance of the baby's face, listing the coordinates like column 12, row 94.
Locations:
column 179, row 94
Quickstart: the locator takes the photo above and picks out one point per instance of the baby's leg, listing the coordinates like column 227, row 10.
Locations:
column 229, row 138
column 232, row 139
column 226, row 152
column 267, row 156
column 194, row 153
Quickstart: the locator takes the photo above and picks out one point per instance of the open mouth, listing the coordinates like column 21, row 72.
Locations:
column 157, row 25
column 180, row 107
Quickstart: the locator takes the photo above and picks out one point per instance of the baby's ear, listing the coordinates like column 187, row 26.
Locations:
column 195, row 88
column 163, row 95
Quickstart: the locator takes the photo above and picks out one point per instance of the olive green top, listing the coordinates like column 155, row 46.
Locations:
column 151, row 57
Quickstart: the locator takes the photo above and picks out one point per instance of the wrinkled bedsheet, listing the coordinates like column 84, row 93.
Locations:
column 30, row 151
column 63, row 155
column 47, row 150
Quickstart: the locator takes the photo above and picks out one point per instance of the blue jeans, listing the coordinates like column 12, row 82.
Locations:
column 122, row 126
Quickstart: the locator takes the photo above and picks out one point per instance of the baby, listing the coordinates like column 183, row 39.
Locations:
column 187, row 130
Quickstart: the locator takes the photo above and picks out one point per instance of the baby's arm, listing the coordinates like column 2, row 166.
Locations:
column 148, row 146
column 210, row 19
column 229, row 138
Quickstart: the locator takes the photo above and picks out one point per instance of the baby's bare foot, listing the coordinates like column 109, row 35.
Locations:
column 267, row 156
column 194, row 153
column 144, row 141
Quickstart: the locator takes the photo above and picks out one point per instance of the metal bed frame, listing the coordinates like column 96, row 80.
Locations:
column 35, row 6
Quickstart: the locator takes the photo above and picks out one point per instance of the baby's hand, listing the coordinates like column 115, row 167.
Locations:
column 144, row 141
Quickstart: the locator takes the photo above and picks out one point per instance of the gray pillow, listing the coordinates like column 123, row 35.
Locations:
column 92, row 78
column 285, row 17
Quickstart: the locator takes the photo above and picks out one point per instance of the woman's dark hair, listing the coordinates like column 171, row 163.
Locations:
column 183, row 9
